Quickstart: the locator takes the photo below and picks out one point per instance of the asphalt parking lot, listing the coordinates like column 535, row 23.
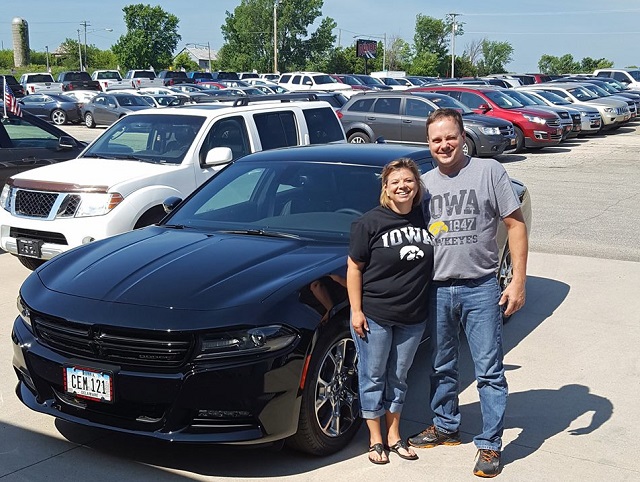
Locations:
column 571, row 353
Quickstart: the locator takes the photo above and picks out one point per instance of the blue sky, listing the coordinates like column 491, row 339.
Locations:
column 582, row 28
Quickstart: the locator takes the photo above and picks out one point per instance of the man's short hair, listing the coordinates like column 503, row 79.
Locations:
column 446, row 113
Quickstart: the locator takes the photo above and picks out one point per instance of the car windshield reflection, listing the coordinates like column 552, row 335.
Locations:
column 311, row 200
column 148, row 138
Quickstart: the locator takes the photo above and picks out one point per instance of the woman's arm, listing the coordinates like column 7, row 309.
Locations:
column 354, row 289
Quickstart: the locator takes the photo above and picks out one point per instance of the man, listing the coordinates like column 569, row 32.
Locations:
column 467, row 199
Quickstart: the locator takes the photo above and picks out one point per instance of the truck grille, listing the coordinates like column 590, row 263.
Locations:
column 136, row 348
column 507, row 130
column 39, row 204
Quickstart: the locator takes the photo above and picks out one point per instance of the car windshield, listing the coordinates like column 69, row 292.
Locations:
column 554, row 98
column 520, row 97
column 159, row 139
column 582, row 94
column 502, row 100
column 128, row 100
column 312, row 200
column 635, row 74
column 324, row 79
column 597, row 90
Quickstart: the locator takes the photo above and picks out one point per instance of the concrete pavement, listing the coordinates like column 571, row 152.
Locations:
column 574, row 376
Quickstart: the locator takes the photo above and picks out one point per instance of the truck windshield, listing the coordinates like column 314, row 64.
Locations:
column 159, row 139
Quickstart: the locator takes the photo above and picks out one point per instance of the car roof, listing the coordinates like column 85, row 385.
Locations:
column 376, row 155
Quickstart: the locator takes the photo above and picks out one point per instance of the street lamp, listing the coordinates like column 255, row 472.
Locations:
column 86, row 24
column 453, row 43
column 275, row 36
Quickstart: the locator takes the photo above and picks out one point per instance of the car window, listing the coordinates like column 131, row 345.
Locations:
column 22, row 133
column 417, row 108
column 229, row 132
column 473, row 101
column 306, row 80
column 100, row 100
column 361, row 105
column 387, row 106
column 621, row 76
column 285, row 78
column 502, row 100
column 33, row 99
column 295, row 79
column 323, row 125
column 276, row 129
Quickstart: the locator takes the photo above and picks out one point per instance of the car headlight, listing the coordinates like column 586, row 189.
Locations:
column 5, row 197
column 490, row 131
column 97, row 204
column 535, row 118
column 584, row 114
column 251, row 341
column 24, row 311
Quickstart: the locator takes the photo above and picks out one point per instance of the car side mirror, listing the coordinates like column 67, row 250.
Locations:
column 171, row 203
column 67, row 142
column 308, row 82
column 484, row 107
column 218, row 156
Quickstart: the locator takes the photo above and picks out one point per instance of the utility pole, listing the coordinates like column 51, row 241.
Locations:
column 46, row 48
column 79, row 49
column 84, row 23
column 453, row 43
column 209, row 49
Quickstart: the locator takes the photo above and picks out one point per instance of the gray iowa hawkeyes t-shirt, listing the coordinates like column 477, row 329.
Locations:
column 465, row 210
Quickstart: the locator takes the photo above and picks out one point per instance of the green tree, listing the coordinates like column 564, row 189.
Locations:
column 183, row 61
column 495, row 55
column 432, row 38
column 588, row 65
column 399, row 54
column 248, row 35
column 549, row 64
column 152, row 36
column 426, row 63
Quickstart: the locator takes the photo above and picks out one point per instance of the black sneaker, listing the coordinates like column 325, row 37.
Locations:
column 431, row 437
column 487, row 463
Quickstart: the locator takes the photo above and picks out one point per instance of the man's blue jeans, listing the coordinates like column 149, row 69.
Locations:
column 472, row 304
column 384, row 358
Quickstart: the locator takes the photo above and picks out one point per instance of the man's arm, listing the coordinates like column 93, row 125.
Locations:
column 514, row 295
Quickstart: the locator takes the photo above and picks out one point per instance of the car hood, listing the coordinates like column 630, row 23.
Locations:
column 186, row 270
column 484, row 120
column 90, row 172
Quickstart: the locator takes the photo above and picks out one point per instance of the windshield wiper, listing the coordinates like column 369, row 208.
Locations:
column 98, row 156
column 262, row 232
column 139, row 159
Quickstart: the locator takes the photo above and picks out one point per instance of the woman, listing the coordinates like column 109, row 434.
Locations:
column 388, row 274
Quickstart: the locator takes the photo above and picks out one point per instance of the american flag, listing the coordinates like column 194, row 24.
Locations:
column 10, row 101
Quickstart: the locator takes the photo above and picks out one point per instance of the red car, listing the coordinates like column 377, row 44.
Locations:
column 534, row 128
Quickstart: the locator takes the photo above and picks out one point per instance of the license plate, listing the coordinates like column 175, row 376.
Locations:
column 89, row 384
column 30, row 247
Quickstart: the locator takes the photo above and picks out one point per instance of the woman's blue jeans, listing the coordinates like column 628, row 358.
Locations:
column 472, row 304
column 384, row 358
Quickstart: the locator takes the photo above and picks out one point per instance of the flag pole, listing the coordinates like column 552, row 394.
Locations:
column 4, row 98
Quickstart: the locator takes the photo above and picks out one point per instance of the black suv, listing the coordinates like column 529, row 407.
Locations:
column 400, row 117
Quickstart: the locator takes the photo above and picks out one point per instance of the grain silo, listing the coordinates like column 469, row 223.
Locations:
column 20, row 34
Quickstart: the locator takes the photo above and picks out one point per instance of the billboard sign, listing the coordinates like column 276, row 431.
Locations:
column 366, row 48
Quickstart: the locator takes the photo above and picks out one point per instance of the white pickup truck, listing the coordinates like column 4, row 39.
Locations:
column 120, row 181
column 143, row 78
column 109, row 80
column 39, row 82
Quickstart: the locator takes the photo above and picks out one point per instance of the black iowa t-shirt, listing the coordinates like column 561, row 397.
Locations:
column 397, row 254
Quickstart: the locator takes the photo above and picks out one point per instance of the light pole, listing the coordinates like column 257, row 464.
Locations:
column 79, row 49
column 275, row 36
column 453, row 43
column 86, row 24
column 46, row 48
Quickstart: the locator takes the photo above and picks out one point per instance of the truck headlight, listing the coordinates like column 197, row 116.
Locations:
column 490, row 131
column 535, row 118
column 253, row 341
column 97, row 204
column 5, row 198
column 23, row 310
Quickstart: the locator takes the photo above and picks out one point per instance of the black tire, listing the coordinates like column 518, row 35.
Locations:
column 88, row 120
column 359, row 138
column 330, row 410
column 152, row 216
column 519, row 139
column 505, row 274
column 469, row 147
column 59, row 117
column 31, row 263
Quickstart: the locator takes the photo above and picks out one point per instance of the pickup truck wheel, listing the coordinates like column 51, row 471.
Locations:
column 88, row 120
column 519, row 139
column 31, row 263
column 59, row 117
column 152, row 216
column 359, row 138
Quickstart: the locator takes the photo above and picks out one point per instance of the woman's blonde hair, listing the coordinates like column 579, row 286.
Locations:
column 396, row 165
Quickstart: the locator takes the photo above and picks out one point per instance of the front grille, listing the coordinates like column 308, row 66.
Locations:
column 555, row 137
column 35, row 204
column 46, row 236
column 136, row 348
column 507, row 130
column 69, row 206
column 553, row 123
column 576, row 119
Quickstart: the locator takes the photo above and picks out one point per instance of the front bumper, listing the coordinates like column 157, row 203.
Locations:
column 252, row 402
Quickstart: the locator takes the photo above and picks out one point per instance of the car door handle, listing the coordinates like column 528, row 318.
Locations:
column 371, row 118
column 407, row 121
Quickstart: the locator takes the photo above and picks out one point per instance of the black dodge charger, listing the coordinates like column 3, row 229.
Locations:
column 228, row 322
